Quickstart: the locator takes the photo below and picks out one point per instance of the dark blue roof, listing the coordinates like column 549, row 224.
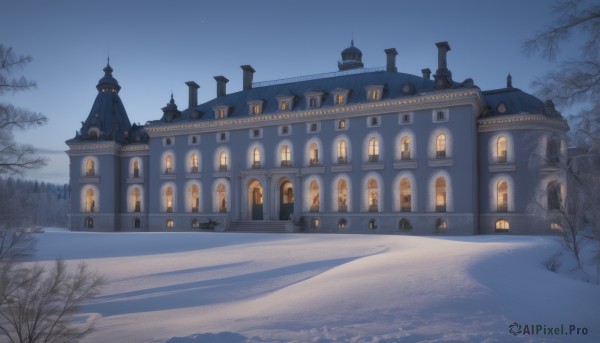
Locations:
column 515, row 101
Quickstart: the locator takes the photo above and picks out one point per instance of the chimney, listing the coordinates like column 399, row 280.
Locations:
column 391, row 59
column 426, row 73
column 193, row 93
column 443, row 49
column 221, row 85
column 248, row 73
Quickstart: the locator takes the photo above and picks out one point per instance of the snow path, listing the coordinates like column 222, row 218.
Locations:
column 326, row 288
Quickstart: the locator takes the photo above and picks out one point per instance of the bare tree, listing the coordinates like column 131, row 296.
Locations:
column 16, row 158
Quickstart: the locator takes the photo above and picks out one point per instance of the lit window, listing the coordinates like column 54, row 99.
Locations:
column 502, row 196
column 339, row 99
column 314, row 196
column 373, row 194
column 374, row 94
column 373, row 150
column 223, row 161
column 440, row 146
column 314, row 223
column 313, row 154
column 222, row 197
column 255, row 109
column 221, row 113
column 90, row 168
column 90, row 200
column 170, row 223
column 342, row 190
column 136, row 200
column 405, row 195
column 501, row 150
column 256, row 158
column 136, row 169
column 342, row 157
column 168, row 164
column 284, row 106
column 169, row 199
column 440, row 194
column 342, row 124
column 194, row 164
column 286, row 156
column 195, row 198
column 502, row 225
column 405, row 148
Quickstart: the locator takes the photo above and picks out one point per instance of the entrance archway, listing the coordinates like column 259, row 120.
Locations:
column 255, row 192
column 286, row 200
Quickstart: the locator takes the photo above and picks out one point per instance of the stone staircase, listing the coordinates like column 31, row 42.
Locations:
column 257, row 226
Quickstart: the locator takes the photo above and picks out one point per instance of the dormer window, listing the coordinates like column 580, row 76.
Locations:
column 255, row 107
column 285, row 102
column 374, row 92
column 340, row 96
column 221, row 111
column 313, row 99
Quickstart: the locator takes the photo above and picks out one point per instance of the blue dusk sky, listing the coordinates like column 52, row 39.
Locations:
column 156, row 46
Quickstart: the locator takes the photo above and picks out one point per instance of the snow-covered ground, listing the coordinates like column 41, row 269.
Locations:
column 234, row 287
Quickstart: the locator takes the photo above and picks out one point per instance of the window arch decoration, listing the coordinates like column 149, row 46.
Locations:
column 193, row 159
column 313, row 152
column 338, row 149
column 90, row 166
column 499, row 142
column 90, row 199
column 502, row 198
column 222, row 159
column 136, row 167
column 135, row 198
column 167, row 161
column 168, row 198
column 373, row 147
column 434, row 192
column 502, row 225
column 313, row 194
column 372, row 194
column 221, row 195
column 193, row 196
column 398, row 194
column 255, row 156
column 341, row 190
column 284, row 153
column 406, row 136
column 435, row 141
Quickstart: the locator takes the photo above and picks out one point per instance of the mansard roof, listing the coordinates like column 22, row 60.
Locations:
column 515, row 101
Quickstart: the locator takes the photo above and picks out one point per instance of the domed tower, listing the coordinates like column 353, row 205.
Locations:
column 351, row 58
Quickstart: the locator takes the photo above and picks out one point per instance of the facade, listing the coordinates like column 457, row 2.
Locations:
column 357, row 150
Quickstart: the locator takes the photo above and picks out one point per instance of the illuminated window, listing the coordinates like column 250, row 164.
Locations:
column 314, row 223
column 342, row 152
column 169, row 199
column 256, row 158
column 502, row 225
column 314, row 196
column 342, row 124
column 222, row 197
column 136, row 200
column 170, row 223
column 313, row 154
column 339, row 99
column 373, row 195
column 168, row 164
column 501, row 150
column 502, row 197
column 286, row 156
column 342, row 195
column 255, row 109
column 223, row 161
column 195, row 198
column 440, row 146
column 136, row 169
column 440, row 194
column 374, row 94
column 194, row 164
column 405, row 195
column 90, row 200
column 90, row 168
column 405, row 148
column 284, row 105
column 373, row 150
column 221, row 113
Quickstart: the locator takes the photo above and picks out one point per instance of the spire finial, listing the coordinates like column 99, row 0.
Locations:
column 509, row 81
column 352, row 42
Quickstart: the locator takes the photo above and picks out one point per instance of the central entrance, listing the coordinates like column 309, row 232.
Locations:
column 256, row 203
column 286, row 200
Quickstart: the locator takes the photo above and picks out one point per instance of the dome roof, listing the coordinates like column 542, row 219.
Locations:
column 108, row 81
column 351, row 58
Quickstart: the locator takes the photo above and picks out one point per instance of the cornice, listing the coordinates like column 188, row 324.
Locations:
column 446, row 98
column 524, row 121
column 107, row 148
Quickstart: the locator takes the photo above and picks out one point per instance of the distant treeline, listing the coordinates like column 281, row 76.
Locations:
column 26, row 203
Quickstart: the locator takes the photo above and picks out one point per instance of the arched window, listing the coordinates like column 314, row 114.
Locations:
column 90, row 200
column 441, row 224
column 342, row 152
column 553, row 195
column 195, row 198
column 373, row 150
column 313, row 154
column 502, row 225
column 440, row 146
column 222, row 197
column 342, row 195
column 170, row 223
column 315, row 223
column 440, row 194
column 315, row 196
column 502, row 197
column 256, row 158
column 553, row 150
column 373, row 193
column 501, row 150
column 342, row 223
column 372, row 224
column 223, row 161
column 404, row 225
column 136, row 200
column 194, row 163
column 169, row 199
column 286, row 156
column 136, row 168
column 90, row 168
column 168, row 164
column 405, row 195
column 405, row 148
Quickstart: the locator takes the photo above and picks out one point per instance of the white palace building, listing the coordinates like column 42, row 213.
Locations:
column 357, row 151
